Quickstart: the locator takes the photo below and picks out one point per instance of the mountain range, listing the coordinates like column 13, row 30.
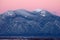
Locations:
column 37, row 23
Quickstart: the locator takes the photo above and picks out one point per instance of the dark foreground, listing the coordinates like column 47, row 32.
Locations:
column 34, row 39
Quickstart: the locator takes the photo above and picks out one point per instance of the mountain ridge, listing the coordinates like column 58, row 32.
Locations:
column 25, row 22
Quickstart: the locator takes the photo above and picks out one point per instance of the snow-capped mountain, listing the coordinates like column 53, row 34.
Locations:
column 24, row 23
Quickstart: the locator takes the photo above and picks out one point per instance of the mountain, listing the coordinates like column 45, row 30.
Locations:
column 25, row 23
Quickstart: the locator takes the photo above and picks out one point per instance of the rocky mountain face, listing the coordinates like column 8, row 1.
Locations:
column 25, row 23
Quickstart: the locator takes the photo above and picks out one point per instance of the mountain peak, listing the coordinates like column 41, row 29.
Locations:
column 38, row 10
column 42, row 12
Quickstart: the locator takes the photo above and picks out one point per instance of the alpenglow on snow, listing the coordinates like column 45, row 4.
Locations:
column 37, row 23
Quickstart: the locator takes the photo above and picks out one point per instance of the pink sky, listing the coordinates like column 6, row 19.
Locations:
column 50, row 5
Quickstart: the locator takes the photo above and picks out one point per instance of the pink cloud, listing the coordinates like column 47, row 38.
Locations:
column 51, row 5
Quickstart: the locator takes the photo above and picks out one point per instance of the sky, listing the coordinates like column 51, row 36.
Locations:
column 50, row 5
